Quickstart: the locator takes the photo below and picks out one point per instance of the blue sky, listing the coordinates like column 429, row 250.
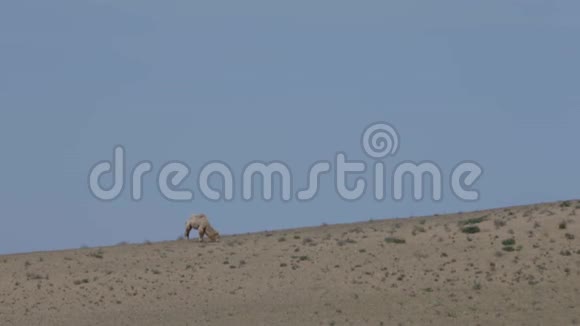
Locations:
column 495, row 82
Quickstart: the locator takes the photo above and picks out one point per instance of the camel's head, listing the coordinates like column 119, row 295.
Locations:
column 214, row 236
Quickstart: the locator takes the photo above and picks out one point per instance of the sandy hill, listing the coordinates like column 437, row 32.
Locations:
column 513, row 266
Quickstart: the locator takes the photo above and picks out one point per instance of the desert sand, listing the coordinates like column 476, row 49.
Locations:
column 512, row 266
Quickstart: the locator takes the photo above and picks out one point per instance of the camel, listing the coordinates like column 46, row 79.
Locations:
column 201, row 223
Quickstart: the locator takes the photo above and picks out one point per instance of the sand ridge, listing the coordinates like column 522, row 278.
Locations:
column 510, row 266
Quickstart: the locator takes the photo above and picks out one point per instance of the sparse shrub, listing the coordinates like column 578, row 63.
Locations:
column 281, row 239
column 563, row 225
column 344, row 242
column 395, row 240
column 83, row 281
column 499, row 223
column 99, row 254
column 283, row 265
column 475, row 220
column 569, row 236
column 34, row 276
column 471, row 229
column 509, row 245
column 300, row 258
column 509, row 242
column 417, row 229
column 477, row 286
column 565, row 253
column 508, row 248
column 357, row 230
column 566, row 204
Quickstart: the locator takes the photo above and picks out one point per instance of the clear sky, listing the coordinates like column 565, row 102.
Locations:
column 496, row 82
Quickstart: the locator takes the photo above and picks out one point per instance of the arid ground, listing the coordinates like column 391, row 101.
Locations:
column 513, row 266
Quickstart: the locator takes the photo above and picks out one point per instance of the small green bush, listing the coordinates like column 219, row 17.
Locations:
column 475, row 220
column 83, row 281
column 395, row 240
column 566, row 204
column 509, row 242
column 471, row 229
column 563, row 225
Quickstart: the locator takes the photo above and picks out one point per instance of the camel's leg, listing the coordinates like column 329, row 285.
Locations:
column 201, row 234
column 187, row 230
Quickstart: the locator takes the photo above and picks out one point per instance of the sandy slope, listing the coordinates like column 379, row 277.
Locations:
column 328, row 275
